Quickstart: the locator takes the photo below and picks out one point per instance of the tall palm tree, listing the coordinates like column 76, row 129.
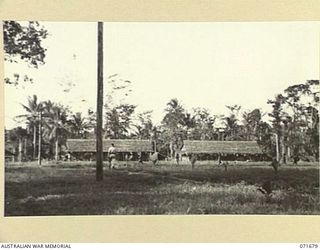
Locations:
column 144, row 125
column 175, row 114
column 174, row 122
column 79, row 125
column 231, row 123
column 33, row 108
column 56, row 124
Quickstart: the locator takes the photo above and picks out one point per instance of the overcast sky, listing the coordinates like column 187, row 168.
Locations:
column 206, row 65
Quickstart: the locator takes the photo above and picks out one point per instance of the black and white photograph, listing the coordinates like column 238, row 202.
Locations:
column 161, row 118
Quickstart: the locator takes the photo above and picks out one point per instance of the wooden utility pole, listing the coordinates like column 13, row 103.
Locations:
column 40, row 137
column 99, row 142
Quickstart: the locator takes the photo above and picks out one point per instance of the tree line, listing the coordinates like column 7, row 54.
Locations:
column 293, row 130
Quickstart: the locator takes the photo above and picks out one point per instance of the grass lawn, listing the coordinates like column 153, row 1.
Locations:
column 70, row 189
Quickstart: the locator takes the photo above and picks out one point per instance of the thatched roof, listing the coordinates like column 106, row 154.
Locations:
column 224, row 147
column 89, row 145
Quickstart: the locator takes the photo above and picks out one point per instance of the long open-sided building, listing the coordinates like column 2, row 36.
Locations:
column 86, row 148
column 231, row 149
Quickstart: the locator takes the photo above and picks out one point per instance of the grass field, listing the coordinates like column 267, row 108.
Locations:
column 71, row 189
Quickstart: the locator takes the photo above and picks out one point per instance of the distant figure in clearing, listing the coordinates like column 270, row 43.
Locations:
column 177, row 158
column 222, row 163
column 67, row 157
column 128, row 157
column 193, row 159
column 154, row 158
column 140, row 159
column 275, row 164
column 225, row 165
column 219, row 160
column 112, row 156
column 296, row 158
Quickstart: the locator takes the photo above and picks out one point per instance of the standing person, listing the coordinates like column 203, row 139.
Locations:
column 128, row 157
column 154, row 158
column 140, row 157
column 296, row 158
column 219, row 159
column 177, row 158
column 193, row 159
column 112, row 155
column 68, row 156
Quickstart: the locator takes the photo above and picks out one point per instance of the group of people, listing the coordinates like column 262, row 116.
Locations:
column 112, row 151
column 112, row 156
column 154, row 158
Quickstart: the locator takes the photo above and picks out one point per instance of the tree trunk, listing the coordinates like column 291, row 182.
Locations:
column 20, row 150
column 288, row 152
column 40, row 139
column 34, row 141
column 171, row 150
column 155, row 146
column 284, row 152
column 277, row 148
column 99, row 141
column 56, row 150
column 14, row 152
column 202, row 137
column 25, row 148
column 284, row 146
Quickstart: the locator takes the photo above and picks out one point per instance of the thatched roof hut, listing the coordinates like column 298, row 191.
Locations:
column 221, row 147
column 89, row 145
